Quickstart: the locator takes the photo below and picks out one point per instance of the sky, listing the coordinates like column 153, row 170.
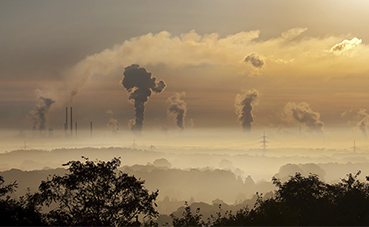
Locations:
column 223, row 64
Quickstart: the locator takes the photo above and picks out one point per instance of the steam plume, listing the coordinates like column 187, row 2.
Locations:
column 362, row 119
column 244, row 103
column 178, row 108
column 254, row 60
column 302, row 113
column 139, row 83
column 39, row 114
column 113, row 124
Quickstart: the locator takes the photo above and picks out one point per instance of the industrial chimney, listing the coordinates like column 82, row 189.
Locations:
column 71, row 122
column 66, row 120
column 91, row 129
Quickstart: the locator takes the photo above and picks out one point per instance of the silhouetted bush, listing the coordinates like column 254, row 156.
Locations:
column 95, row 193
column 17, row 211
column 305, row 201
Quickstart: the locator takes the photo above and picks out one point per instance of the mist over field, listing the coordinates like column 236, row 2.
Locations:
column 200, row 165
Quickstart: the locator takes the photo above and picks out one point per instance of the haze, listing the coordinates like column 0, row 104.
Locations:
column 253, row 88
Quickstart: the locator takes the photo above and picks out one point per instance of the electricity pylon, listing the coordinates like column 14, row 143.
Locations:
column 264, row 142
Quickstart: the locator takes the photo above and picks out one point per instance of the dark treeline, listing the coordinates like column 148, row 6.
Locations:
column 97, row 193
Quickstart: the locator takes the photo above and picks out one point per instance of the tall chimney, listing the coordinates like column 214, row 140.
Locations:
column 91, row 129
column 71, row 122
column 66, row 119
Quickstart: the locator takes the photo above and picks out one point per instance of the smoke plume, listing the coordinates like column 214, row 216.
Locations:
column 254, row 60
column 139, row 83
column 244, row 104
column 178, row 108
column 362, row 119
column 303, row 114
column 112, row 124
column 39, row 114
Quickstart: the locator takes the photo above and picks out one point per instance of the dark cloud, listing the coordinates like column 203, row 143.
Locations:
column 244, row 104
column 303, row 114
column 178, row 108
column 255, row 60
column 39, row 114
column 140, row 84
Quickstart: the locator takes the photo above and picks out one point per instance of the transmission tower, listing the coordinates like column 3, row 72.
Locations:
column 264, row 142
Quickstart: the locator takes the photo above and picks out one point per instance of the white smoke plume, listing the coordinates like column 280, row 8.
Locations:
column 178, row 108
column 39, row 114
column 112, row 124
column 304, row 115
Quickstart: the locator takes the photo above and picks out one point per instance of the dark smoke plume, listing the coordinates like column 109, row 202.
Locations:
column 178, row 108
column 40, row 112
column 139, row 83
column 244, row 104
column 302, row 113
column 254, row 60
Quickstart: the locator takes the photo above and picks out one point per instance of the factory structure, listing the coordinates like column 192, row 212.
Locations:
column 72, row 133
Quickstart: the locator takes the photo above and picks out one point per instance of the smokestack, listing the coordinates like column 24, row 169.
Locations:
column 91, row 129
column 66, row 119
column 75, row 128
column 71, row 122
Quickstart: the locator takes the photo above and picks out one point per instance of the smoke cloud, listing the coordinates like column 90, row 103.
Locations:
column 345, row 45
column 39, row 114
column 140, row 84
column 244, row 103
column 112, row 124
column 177, row 109
column 303, row 114
column 254, row 60
column 362, row 119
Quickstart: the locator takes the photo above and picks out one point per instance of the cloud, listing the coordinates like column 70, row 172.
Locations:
column 109, row 112
column 255, row 60
column 244, row 103
column 178, row 108
column 345, row 45
column 284, row 55
column 304, row 115
column 292, row 33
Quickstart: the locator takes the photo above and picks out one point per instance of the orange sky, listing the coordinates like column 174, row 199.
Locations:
column 295, row 52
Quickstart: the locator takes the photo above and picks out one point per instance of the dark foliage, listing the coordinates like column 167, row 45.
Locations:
column 13, row 212
column 96, row 193
column 303, row 201
column 188, row 218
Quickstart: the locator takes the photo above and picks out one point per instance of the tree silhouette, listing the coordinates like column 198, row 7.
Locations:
column 188, row 218
column 17, row 211
column 96, row 193
column 303, row 201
